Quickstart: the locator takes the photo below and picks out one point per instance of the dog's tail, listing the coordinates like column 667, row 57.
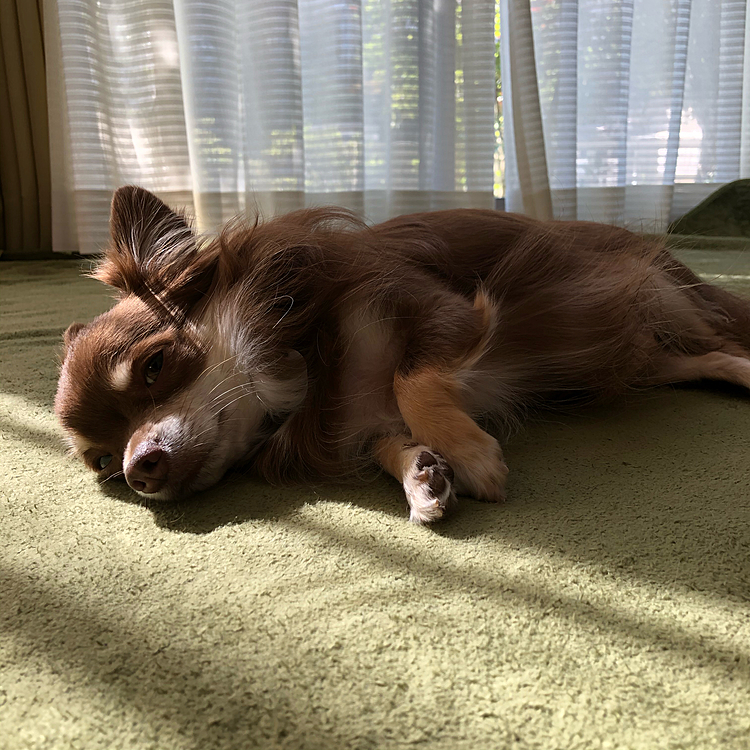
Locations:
column 732, row 311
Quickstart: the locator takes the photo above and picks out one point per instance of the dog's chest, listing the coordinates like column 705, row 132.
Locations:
column 370, row 357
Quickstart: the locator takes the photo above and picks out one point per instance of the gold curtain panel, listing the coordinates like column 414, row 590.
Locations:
column 24, row 133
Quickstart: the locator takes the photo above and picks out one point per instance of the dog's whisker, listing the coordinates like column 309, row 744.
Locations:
column 114, row 475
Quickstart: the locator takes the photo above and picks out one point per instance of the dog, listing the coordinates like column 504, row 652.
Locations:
column 311, row 344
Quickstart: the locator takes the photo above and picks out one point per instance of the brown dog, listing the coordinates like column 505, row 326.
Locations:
column 310, row 343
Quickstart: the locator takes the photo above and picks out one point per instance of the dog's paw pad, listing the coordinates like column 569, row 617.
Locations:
column 429, row 487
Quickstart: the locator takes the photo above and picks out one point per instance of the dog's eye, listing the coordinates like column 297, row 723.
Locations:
column 153, row 368
column 103, row 462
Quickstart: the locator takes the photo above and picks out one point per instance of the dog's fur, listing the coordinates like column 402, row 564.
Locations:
column 310, row 343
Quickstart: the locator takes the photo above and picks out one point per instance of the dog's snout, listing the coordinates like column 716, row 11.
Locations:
column 148, row 469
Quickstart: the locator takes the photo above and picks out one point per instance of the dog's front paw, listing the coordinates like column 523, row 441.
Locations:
column 481, row 471
column 428, row 484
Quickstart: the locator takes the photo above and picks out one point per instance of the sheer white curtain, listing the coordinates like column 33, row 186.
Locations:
column 625, row 111
column 227, row 105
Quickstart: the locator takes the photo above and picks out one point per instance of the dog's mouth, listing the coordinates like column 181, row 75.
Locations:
column 176, row 457
column 171, row 460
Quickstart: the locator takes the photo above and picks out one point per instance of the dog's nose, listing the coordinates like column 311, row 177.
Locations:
column 148, row 468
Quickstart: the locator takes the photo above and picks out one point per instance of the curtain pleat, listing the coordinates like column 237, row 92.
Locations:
column 24, row 153
column 527, row 178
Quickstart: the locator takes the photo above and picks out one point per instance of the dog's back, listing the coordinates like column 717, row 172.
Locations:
column 581, row 308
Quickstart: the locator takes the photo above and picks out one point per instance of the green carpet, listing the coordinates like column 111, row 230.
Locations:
column 605, row 605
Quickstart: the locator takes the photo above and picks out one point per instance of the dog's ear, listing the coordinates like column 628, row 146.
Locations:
column 153, row 250
column 69, row 337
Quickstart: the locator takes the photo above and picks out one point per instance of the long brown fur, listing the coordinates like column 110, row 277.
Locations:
column 326, row 342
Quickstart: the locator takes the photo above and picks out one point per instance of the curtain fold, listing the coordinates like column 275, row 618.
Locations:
column 527, row 186
column 231, row 106
column 24, row 154
column 643, row 105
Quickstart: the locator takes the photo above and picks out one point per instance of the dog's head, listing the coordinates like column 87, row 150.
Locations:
column 152, row 389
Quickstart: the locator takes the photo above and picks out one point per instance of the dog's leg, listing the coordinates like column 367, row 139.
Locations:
column 430, row 403
column 424, row 473
column 712, row 366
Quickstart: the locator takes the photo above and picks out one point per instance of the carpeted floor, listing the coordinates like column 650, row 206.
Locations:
column 605, row 605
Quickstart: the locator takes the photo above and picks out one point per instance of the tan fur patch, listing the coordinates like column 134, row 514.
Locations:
column 430, row 403
column 119, row 377
column 76, row 443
